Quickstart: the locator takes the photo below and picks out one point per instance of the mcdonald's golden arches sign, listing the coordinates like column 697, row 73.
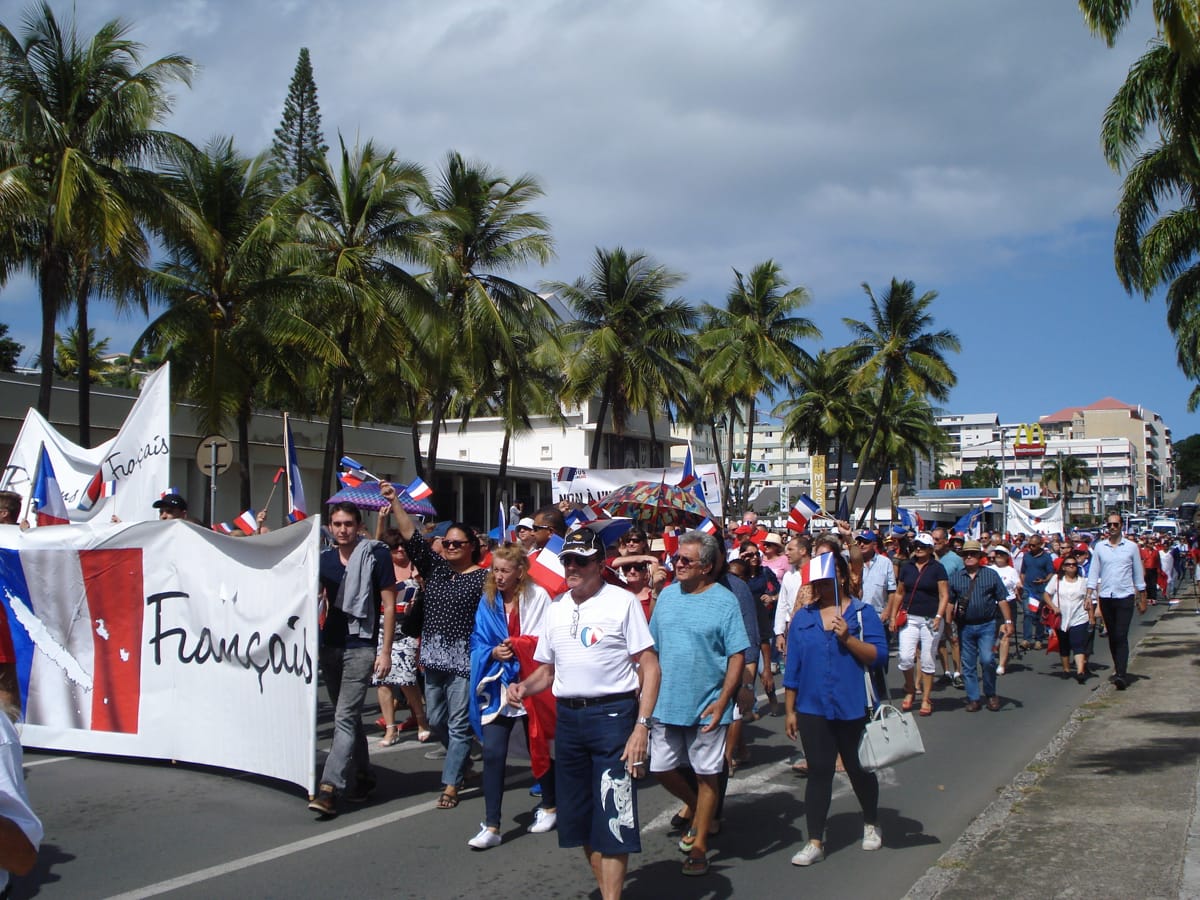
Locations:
column 1030, row 441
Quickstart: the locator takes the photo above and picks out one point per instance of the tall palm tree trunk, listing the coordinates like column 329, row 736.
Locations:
column 728, row 502
column 749, row 449
column 53, row 286
column 333, row 433
column 243, row 430
column 841, row 458
column 504, row 446
column 865, row 454
column 598, row 435
column 85, row 358
column 712, row 426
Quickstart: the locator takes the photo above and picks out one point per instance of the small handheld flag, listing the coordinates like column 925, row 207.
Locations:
column 47, row 498
column 546, row 569
column 820, row 566
column 689, row 470
column 708, row 526
column 419, row 490
column 247, row 523
column 96, row 490
column 223, row 528
column 295, row 485
column 802, row 513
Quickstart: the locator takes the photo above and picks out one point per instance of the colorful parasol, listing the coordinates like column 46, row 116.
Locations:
column 654, row 506
column 367, row 496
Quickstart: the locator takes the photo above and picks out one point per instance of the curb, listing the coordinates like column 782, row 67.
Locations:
column 945, row 871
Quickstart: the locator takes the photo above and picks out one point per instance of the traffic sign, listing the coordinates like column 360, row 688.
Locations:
column 214, row 455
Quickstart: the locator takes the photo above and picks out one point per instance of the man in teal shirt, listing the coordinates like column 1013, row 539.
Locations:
column 698, row 630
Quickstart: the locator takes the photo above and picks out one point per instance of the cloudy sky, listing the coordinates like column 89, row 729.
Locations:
column 952, row 143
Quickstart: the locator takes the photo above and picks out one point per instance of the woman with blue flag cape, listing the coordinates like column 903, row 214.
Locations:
column 507, row 622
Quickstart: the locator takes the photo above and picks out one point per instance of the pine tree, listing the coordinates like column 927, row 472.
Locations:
column 298, row 139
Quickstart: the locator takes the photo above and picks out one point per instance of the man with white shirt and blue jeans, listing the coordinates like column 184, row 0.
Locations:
column 1116, row 576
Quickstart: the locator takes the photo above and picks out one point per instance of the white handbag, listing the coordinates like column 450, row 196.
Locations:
column 891, row 736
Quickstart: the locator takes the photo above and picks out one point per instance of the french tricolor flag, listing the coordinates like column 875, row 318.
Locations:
column 96, row 490
column 246, row 523
column 708, row 526
column 821, row 566
column 689, row 470
column 297, row 508
column 583, row 515
column 671, row 541
column 223, row 528
column 547, row 570
column 98, row 646
column 47, row 497
column 805, row 510
column 986, row 504
column 419, row 490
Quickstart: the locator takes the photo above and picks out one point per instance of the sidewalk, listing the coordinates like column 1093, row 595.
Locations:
column 1109, row 808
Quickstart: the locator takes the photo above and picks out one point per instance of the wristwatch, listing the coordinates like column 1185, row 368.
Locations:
column 645, row 720
column 1008, row 621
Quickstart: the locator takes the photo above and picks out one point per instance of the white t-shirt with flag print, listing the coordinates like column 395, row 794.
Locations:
column 595, row 661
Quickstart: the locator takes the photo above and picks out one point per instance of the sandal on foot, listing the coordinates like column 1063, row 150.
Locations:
column 447, row 800
column 801, row 769
column 696, row 865
column 389, row 741
column 678, row 821
column 423, row 735
column 688, row 839
column 907, row 703
column 926, row 709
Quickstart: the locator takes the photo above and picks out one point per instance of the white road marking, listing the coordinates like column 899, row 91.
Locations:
column 47, row 761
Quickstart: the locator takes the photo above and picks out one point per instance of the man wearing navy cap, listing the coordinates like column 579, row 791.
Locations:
column 171, row 506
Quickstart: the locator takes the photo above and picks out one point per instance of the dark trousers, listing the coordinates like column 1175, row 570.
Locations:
column 823, row 739
column 1118, row 614
column 495, row 757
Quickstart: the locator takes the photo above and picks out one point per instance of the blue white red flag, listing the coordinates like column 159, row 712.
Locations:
column 583, row 515
column 47, row 498
column 419, row 490
column 350, row 479
column 567, row 474
column 986, row 504
column 96, row 490
column 805, row 510
column 546, row 569
column 708, row 526
column 297, row 508
column 689, row 470
column 910, row 519
column 223, row 528
column 820, row 566
column 246, row 523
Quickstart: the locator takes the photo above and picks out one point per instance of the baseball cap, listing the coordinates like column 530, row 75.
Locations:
column 924, row 538
column 744, row 529
column 526, row 522
column 582, row 542
column 1081, row 547
column 868, row 535
column 171, row 501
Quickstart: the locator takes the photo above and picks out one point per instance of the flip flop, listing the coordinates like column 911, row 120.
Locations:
column 907, row 703
column 926, row 709
column 695, row 865
column 447, row 801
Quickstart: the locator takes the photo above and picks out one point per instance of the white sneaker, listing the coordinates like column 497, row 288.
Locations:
column 872, row 839
column 543, row 821
column 808, row 854
column 486, row 839
column 999, row 670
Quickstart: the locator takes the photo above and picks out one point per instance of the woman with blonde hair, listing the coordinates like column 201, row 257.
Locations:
column 507, row 622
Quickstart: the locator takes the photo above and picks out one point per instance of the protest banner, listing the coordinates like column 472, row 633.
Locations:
column 137, row 461
column 589, row 485
column 1023, row 520
column 167, row 640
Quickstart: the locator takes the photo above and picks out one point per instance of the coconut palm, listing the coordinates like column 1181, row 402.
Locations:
column 233, row 320
column 1064, row 473
column 753, row 341
column 76, row 118
column 627, row 337
column 895, row 350
column 361, row 223
column 912, row 433
column 823, row 412
column 481, row 230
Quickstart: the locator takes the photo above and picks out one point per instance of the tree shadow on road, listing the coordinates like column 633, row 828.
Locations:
column 1159, row 754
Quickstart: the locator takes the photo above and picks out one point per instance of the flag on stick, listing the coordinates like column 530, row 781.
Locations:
column 419, row 490
column 47, row 498
column 247, row 523
column 820, row 566
column 805, row 510
column 546, row 569
column 708, row 526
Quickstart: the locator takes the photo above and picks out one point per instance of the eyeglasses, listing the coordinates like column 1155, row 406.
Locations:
column 686, row 561
column 454, row 545
column 1069, row 562
column 543, row 527
column 1114, row 524
column 575, row 621
column 631, row 540
column 570, row 559
column 634, row 567
column 749, row 556
column 975, row 553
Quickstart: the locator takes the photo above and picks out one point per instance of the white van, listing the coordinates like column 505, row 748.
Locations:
column 1167, row 527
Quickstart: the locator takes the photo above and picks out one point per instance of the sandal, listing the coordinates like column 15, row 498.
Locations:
column 423, row 735
column 389, row 741
column 801, row 769
column 685, row 842
column 678, row 821
column 907, row 702
column 696, row 865
column 447, row 800
column 926, row 709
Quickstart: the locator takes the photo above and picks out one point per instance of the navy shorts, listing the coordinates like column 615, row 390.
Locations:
column 597, row 798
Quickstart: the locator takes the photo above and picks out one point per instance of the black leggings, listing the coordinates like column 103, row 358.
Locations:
column 823, row 739
column 1118, row 615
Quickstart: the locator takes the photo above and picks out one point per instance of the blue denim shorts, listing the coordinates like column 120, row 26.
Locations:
column 597, row 798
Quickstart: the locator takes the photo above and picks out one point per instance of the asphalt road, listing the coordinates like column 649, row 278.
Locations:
column 116, row 827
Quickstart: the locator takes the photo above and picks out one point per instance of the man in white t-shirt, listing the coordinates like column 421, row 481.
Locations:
column 592, row 645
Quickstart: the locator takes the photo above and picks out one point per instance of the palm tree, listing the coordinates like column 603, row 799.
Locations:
column 912, row 431
column 233, row 320
column 895, row 350
column 77, row 114
column 985, row 474
column 69, row 350
column 824, row 411
column 481, row 231
column 627, row 337
column 753, row 341
column 1063, row 473
column 361, row 221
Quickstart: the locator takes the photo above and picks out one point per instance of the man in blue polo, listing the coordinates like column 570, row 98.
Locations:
column 1037, row 567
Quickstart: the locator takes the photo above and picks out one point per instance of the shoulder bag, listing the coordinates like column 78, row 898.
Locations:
column 902, row 612
column 891, row 736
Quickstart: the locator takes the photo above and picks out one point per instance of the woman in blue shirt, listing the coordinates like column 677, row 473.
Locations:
column 826, row 700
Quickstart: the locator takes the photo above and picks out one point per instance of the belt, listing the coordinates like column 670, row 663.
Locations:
column 584, row 702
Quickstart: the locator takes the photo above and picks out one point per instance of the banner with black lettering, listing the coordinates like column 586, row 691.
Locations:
column 166, row 640
column 1023, row 520
column 136, row 463
column 589, row 485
